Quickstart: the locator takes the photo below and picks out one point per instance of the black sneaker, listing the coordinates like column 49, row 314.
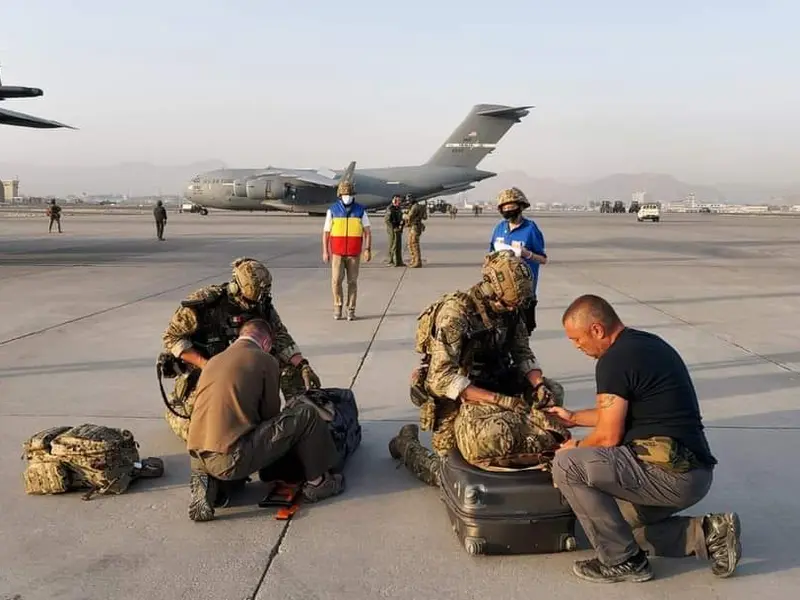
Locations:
column 636, row 570
column 722, row 532
column 204, row 494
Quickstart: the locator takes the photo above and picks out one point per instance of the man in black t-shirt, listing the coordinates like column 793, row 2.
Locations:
column 645, row 459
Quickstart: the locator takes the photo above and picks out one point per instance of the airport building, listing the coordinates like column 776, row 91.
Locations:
column 9, row 190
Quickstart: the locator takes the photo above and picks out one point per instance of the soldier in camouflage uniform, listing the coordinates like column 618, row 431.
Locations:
column 208, row 321
column 413, row 222
column 54, row 212
column 479, row 386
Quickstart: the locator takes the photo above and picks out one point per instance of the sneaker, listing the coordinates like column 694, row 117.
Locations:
column 636, row 570
column 331, row 485
column 722, row 532
column 204, row 494
column 337, row 313
column 351, row 314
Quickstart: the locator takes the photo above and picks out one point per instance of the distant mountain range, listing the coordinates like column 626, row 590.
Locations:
column 620, row 186
column 143, row 179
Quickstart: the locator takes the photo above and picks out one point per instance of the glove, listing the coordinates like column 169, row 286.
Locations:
column 367, row 255
column 543, row 397
column 514, row 403
column 310, row 378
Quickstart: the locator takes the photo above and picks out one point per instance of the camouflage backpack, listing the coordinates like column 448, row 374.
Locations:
column 103, row 460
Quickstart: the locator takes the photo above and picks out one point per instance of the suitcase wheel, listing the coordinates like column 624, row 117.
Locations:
column 570, row 543
column 475, row 545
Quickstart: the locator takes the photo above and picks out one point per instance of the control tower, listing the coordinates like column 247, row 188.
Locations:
column 9, row 190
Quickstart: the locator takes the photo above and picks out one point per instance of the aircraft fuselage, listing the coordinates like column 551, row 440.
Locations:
column 374, row 187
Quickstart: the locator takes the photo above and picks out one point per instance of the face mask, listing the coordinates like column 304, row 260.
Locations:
column 511, row 215
column 347, row 199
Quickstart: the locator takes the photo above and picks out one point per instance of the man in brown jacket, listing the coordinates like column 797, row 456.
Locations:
column 238, row 427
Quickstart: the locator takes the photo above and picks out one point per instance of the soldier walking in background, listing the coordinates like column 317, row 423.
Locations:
column 160, row 215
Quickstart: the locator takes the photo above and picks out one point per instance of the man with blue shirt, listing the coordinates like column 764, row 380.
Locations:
column 524, row 237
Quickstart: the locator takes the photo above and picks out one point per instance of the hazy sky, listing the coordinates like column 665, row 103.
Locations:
column 707, row 91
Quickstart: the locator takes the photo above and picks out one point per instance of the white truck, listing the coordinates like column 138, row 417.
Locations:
column 649, row 212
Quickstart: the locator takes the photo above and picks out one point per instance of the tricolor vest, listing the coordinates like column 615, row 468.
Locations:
column 346, row 229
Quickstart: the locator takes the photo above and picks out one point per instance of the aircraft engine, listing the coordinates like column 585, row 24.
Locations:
column 240, row 188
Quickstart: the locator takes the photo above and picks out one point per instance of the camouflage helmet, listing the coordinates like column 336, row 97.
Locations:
column 345, row 188
column 509, row 278
column 250, row 279
column 512, row 195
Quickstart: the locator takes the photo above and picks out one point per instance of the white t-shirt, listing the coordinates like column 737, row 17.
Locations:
column 328, row 220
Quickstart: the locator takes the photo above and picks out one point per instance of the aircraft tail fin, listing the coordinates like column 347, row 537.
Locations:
column 477, row 135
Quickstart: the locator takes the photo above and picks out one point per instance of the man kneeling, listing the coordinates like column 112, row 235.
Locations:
column 238, row 427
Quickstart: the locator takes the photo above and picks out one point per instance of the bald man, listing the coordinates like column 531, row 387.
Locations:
column 645, row 458
column 238, row 428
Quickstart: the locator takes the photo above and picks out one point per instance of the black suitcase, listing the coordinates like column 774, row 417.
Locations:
column 510, row 512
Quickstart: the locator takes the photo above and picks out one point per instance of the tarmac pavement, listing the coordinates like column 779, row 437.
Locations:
column 82, row 317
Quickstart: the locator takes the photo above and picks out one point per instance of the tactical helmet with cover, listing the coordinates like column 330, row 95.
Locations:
column 509, row 280
column 345, row 188
column 512, row 195
column 250, row 281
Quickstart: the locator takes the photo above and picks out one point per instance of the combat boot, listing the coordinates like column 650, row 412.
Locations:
column 204, row 493
column 422, row 463
column 722, row 536
column 407, row 432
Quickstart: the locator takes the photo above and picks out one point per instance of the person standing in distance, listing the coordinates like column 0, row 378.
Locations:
column 345, row 232
column 413, row 222
column 524, row 237
column 160, row 215
column 394, row 231
column 645, row 459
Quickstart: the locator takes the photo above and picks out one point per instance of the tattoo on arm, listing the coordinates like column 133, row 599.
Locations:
column 606, row 400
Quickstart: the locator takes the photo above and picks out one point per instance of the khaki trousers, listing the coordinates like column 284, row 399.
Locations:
column 341, row 265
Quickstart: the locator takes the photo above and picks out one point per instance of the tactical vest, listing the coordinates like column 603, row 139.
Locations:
column 218, row 321
column 486, row 348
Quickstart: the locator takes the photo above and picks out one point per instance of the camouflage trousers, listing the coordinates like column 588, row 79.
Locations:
column 413, row 247
column 179, row 425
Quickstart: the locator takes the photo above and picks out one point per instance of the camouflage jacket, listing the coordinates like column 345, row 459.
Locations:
column 211, row 327
column 415, row 216
column 463, row 341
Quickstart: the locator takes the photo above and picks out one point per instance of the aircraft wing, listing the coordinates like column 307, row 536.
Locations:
column 320, row 178
column 448, row 191
column 16, row 119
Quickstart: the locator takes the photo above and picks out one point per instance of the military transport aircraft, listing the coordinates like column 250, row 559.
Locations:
column 10, row 117
column 450, row 170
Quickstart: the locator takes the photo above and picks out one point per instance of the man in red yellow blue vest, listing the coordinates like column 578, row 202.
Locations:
column 345, row 235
